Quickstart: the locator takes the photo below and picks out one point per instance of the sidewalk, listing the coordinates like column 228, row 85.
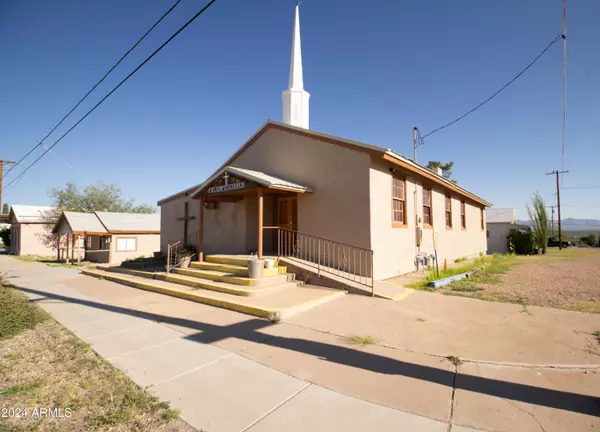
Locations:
column 215, row 389
column 232, row 372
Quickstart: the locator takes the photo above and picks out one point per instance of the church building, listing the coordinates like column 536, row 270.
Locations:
column 289, row 190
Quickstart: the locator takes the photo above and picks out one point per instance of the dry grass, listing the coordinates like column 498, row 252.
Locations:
column 583, row 306
column 45, row 366
column 49, row 261
column 361, row 340
column 16, row 313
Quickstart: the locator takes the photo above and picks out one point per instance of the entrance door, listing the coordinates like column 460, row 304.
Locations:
column 287, row 213
column 287, row 217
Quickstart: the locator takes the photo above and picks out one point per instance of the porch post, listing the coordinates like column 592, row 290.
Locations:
column 201, row 231
column 260, row 223
column 72, row 247
column 79, row 249
column 67, row 249
column 58, row 248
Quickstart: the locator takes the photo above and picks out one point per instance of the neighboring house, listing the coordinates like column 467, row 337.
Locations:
column 305, row 184
column 106, row 237
column 500, row 222
column 29, row 231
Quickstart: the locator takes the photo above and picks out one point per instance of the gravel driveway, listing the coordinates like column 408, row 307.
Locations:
column 573, row 284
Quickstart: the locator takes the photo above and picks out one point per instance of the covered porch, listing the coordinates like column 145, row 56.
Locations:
column 81, row 237
column 268, row 203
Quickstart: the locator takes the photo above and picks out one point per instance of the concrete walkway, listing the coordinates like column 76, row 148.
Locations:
column 232, row 372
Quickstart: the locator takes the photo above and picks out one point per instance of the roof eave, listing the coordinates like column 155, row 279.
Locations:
column 401, row 161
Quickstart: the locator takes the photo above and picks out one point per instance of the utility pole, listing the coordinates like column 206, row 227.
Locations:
column 557, row 173
column 2, row 163
column 552, row 207
column 415, row 144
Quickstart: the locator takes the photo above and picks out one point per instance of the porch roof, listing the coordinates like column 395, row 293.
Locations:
column 257, row 177
column 80, row 222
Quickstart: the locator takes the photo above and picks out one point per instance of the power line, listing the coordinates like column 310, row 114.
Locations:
column 556, row 39
column 95, row 85
column 564, row 124
column 580, row 206
column 173, row 36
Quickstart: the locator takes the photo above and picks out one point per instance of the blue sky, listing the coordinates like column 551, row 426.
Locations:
column 374, row 70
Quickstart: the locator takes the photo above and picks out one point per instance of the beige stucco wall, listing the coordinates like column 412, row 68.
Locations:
column 224, row 227
column 395, row 248
column 338, row 208
column 147, row 244
column 31, row 240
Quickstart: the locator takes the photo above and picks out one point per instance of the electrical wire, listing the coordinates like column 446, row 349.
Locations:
column 95, row 86
column 556, row 39
column 173, row 36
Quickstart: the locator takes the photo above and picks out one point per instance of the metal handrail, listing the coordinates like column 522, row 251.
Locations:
column 174, row 248
column 172, row 255
column 354, row 263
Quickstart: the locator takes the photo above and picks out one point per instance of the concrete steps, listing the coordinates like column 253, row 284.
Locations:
column 239, row 270
column 207, row 284
column 219, row 276
column 238, row 260
column 281, row 302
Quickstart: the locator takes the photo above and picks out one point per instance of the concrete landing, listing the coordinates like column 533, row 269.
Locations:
column 332, row 278
column 277, row 305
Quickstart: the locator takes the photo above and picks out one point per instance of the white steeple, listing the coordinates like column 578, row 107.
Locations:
column 295, row 99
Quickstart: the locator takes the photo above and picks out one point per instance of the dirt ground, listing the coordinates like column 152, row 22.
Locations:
column 568, row 279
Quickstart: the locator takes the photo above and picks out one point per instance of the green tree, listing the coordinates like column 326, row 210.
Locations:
column 589, row 239
column 100, row 197
column 446, row 168
column 5, row 236
column 539, row 221
column 5, row 208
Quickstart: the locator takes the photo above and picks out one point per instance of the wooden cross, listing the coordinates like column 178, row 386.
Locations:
column 226, row 177
column 186, row 217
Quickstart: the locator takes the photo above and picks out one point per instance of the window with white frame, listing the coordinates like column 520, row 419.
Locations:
column 126, row 244
column 88, row 242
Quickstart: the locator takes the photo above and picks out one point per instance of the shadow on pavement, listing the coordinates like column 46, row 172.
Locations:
column 250, row 331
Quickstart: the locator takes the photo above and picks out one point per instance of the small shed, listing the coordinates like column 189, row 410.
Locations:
column 499, row 223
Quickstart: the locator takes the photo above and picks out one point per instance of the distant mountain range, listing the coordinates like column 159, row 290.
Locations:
column 572, row 224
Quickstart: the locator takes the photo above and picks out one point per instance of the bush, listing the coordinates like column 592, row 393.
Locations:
column 522, row 242
column 589, row 239
column 5, row 236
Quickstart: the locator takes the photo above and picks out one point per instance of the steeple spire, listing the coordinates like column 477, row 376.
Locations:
column 296, row 82
column 295, row 99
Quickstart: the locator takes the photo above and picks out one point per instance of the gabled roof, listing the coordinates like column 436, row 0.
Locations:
column 130, row 222
column 81, row 222
column 501, row 215
column 110, row 223
column 375, row 151
column 31, row 214
column 261, row 178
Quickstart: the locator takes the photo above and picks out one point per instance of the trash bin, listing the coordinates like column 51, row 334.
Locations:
column 255, row 268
